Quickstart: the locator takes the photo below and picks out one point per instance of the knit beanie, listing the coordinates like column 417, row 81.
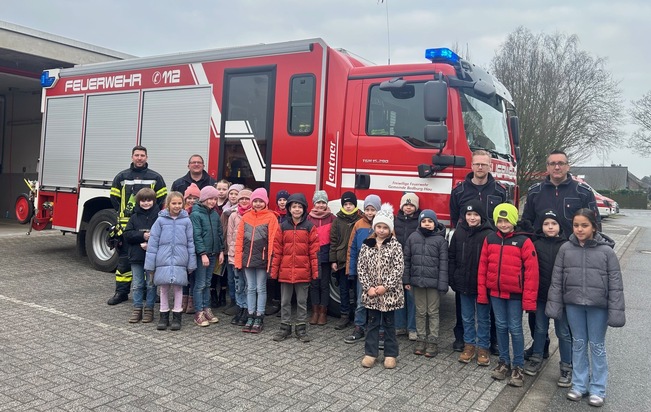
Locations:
column 349, row 197
column 409, row 199
column 384, row 215
column 260, row 194
column 474, row 206
column 374, row 201
column 428, row 213
column 244, row 193
column 208, row 192
column 320, row 196
column 506, row 210
column 550, row 214
column 192, row 190
column 282, row 194
column 235, row 186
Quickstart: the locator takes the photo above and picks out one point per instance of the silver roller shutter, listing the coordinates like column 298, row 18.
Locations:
column 111, row 133
column 62, row 141
column 175, row 125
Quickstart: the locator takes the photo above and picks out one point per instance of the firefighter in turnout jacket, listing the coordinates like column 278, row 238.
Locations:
column 123, row 194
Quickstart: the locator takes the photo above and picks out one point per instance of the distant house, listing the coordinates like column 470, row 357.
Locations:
column 613, row 177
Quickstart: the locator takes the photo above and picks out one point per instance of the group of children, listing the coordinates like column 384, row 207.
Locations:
column 393, row 266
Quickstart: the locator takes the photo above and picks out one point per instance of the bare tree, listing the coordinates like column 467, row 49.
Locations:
column 640, row 141
column 566, row 99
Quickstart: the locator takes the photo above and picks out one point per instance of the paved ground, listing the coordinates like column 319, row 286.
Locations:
column 63, row 348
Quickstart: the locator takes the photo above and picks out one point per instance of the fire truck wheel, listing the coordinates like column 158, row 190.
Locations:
column 24, row 208
column 100, row 255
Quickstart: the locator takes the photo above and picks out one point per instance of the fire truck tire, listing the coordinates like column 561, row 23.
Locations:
column 100, row 255
column 24, row 209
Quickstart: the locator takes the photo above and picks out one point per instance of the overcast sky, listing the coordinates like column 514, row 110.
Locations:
column 619, row 30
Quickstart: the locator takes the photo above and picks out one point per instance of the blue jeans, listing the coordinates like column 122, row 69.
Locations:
column 360, row 310
column 256, row 290
column 588, row 325
column 508, row 321
column 377, row 320
column 564, row 339
column 202, row 278
column 344, row 291
column 230, row 276
column 406, row 316
column 240, row 287
column 480, row 335
column 142, row 287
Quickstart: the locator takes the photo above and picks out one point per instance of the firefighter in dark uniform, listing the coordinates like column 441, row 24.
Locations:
column 123, row 193
column 478, row 185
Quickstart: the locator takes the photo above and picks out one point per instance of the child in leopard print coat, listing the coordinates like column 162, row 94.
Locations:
column 380, row 266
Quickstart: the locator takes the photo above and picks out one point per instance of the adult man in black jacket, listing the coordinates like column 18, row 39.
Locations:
column 123, row 194
column 196, row 174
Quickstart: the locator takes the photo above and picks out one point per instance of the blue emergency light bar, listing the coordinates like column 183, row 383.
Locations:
column 46, row 79
column 441, row 55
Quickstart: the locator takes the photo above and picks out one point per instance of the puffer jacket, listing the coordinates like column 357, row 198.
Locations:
column 296, row 248
column 255, row 240
column 323, row 222
column 587, row 275
column 340, row 232
column 207, row 229
column 231, row 233
column 547, row 249
column 140, row 222
column 170, row 250
column 463, row 256
column 361, row 231
column 404, row 226
column 426, row 259
column 381, row 266
column 508, row 269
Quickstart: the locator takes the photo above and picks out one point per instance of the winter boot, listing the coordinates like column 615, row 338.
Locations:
column 323, row 316
column 284, row 332
column 301, row 333
column 190, row 309
column 164, row 321
column 118, row 298
column 344, row 323
column 257, row 324
column 249, row 323
column 176, row 321
column 316, row 311
column 136, row 315
column 236, row 317
column 214, row 300
column 148, row 316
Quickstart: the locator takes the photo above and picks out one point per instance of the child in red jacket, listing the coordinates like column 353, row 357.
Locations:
column 295, row 264
column 508, row 273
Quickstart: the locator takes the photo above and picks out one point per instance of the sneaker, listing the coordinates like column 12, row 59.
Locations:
column 401, row 332
column 432, row 350
column 413, row 336
column 533, row 366
column 596, row 400
column 501, row 371
column 565, row 380
column 458, row 345
column 420, row 347
column 574, row 395
column 380, row 344
column 357, row 336
column 136, row 315
column 483, row 358
column 249, row 324
column 468, row 353
column 517, row 378
column 207, row 313
column 257, row 325
column 200, row 319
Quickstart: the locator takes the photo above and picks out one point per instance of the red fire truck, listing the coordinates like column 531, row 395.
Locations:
column 297, row 115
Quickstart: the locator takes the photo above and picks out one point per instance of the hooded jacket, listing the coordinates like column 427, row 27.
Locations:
column 404, row 225
column 490, row 195
column 340, row 232
column 547, row 249
column 426, row 259
column 208, row 232
column 508, row 269
column 170, row 250
column 587, row 275
column 296, row 248
column 140, row 222
column 464, row 254
column 381, row 266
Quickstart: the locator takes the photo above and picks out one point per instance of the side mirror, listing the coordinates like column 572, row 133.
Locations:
column 435, row 103
column 514, row 123
column 436, row 135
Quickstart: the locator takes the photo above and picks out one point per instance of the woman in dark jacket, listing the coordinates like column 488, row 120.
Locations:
column 587, row 281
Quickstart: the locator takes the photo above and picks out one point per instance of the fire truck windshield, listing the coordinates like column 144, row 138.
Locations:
column 485, row 123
